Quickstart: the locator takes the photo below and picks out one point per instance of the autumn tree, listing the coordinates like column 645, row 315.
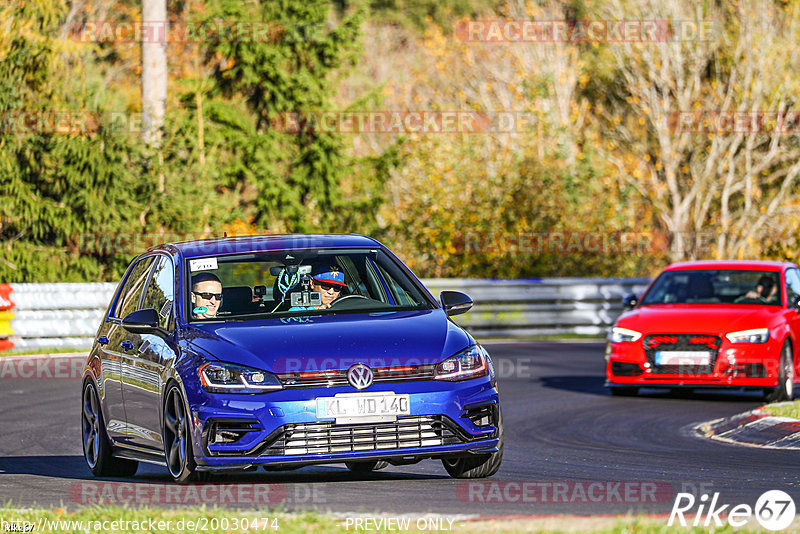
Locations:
column 672, row 127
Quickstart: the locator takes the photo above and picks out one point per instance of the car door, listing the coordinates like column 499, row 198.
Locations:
column 114, row 342
column 142, row 382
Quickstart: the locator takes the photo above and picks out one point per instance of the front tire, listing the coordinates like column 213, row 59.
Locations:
column 96, row 445
column 785, row 389
column 478, row 466
column 177, row 438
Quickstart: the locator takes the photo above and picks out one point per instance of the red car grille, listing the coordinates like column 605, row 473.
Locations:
column 684, row 343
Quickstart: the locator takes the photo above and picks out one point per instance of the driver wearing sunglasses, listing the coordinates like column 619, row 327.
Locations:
column 206, row 295
column 329, row 282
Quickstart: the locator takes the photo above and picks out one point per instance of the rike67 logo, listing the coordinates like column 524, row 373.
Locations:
column 774, row 510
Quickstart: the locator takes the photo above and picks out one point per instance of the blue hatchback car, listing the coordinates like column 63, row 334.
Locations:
column 281, row 352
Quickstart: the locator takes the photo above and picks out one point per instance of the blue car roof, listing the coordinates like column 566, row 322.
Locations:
column 266, row 243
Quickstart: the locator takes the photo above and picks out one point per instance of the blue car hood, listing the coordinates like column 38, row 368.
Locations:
column 324, row 342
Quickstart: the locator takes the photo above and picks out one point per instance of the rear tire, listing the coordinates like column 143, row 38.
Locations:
column 477, row 466
column 785, row 389
column 366, row 467
column 96, row 445
column 624, row 391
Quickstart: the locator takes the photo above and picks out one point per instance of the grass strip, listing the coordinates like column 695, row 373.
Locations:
column 783, row 409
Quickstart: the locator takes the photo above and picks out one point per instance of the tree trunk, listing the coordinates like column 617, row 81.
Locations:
column 154, row 69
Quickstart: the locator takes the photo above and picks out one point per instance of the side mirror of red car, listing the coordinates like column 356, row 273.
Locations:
column 629, row 301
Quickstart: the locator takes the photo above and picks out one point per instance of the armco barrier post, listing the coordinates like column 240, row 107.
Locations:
column 6, row 304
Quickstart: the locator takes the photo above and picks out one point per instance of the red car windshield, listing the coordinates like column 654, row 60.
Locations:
column 715, row 287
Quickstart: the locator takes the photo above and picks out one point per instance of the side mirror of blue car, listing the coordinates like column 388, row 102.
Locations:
column 143, row 322
column 455, row 303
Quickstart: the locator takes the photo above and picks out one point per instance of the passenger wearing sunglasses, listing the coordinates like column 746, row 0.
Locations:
column 206, row 295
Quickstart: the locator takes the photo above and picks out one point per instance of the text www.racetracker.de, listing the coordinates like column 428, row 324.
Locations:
column 200, row 524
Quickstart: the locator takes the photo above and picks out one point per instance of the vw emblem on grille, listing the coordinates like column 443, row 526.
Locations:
column 359, row 376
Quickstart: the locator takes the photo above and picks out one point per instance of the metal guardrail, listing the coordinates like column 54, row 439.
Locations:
column 67, row 315
column 547, row 306
column 51, row 315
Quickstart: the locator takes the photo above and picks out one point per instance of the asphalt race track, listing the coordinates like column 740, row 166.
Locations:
column 570, row 448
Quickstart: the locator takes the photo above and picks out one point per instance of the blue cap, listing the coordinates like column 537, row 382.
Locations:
column 330, row 274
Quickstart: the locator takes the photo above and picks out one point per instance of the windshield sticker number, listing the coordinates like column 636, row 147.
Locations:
column 202, row 264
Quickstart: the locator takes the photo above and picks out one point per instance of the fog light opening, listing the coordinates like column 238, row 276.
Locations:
column 754, row 370
column 227, row 432
column 482, row 416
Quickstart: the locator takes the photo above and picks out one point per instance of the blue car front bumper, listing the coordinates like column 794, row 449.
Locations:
column 234, row 431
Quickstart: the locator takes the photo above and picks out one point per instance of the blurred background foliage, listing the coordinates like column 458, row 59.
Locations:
column 597, row 155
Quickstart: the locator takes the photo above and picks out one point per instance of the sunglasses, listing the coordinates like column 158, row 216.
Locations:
column 208, row 296
column 328, row 287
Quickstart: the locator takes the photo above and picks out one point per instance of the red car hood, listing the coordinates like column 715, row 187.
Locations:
column 699, row 318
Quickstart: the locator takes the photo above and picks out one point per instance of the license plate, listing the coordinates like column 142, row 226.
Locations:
column 363, row 407
column 682, row 357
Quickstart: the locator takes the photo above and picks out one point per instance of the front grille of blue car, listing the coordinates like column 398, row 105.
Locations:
column 327, row 437
column 338, row 377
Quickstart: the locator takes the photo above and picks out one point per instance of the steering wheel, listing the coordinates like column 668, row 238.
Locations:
column 340, row 299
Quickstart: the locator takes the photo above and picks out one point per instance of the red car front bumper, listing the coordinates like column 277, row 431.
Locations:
column 734, row 365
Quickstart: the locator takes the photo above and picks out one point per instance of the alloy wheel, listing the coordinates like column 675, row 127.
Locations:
column 90, row 424
column 176, row 432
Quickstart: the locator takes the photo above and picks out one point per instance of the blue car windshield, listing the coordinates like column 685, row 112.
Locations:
column 298, row 282
column 715, row 287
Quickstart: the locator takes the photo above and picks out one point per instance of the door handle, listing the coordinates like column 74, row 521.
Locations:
column 126, row 345
column 103, row 340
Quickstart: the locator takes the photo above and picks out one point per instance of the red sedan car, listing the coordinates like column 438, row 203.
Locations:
column 706, row 324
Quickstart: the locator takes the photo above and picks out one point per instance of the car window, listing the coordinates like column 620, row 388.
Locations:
column 161, row 290
column 401, row 295
column 299, row 282
column 792, row 286
column 132, row 290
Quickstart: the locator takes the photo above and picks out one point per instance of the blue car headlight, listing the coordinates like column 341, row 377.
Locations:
column 472, row 362
column 223, row 377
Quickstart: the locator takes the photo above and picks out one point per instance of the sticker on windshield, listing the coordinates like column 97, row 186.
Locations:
column 202, row 264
